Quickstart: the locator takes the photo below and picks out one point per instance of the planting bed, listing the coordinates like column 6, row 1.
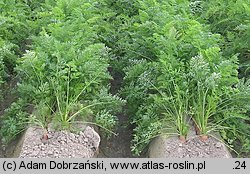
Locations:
column 163, row 147
column 194, row 147
column 61, row 144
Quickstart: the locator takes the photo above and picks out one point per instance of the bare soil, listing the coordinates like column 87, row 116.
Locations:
column 61, row 144
column 118, row 146
column 9, row 97
column 194, row 147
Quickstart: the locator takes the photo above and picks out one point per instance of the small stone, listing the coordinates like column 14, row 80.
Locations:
column 72, row 136
column 50, row 152
column 35, row 153
column 218, row 145
column 179, row 150
column 63, row 138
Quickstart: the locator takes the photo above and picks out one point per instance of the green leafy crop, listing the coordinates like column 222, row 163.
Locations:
column 177, row 62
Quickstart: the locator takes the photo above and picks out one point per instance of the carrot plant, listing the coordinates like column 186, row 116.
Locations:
column 66, row 91
column 15, row 17
column 176, row 48
column 231, row 20
column 174, row 105
column 13, row 122
column 66, row 70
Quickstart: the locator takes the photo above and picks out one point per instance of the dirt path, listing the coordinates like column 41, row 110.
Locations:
column 8, row 97
column 118, row 146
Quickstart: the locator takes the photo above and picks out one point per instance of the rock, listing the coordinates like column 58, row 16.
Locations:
column 218, row 145
column 179, row 150
column 50, row 152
